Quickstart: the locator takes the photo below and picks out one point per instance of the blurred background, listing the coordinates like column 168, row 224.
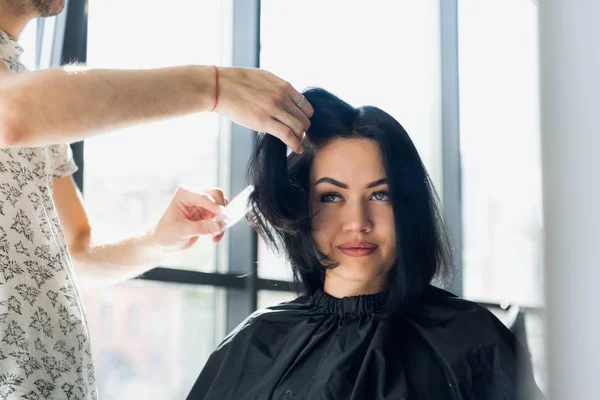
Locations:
column 460, row 78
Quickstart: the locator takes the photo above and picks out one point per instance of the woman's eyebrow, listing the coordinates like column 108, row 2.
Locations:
column 332, row 181
column 342, row 185
column 378, row 182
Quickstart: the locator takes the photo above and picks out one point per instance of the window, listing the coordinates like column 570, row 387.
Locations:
column 500, row 152
column 176, row 330
column 501, row 160
column 268, row 298
column 106, row 316
column 131, row 175
column 133, row 321
column 385, row 54
column 151, row 337
column 28, row 41
column 159, row 335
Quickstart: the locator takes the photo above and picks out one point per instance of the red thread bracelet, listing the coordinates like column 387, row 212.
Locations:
column 216, row 88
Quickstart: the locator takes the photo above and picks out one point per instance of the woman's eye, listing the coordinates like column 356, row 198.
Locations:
column 381, row 196
column 330, row 198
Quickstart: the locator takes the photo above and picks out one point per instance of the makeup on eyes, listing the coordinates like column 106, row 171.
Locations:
column 322, row 197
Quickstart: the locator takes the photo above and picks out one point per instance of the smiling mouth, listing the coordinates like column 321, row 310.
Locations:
column 358, row 249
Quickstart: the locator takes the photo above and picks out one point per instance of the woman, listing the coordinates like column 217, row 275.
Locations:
column 357, row 217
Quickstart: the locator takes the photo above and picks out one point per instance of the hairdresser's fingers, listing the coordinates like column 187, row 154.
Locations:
column 217, row 239
column 204, row 227
column 297, row 112
column 285, row 134
column 286, row 118
column 252, row 97
column 217, row 194
column 199, row 213
column 188, row 199
column 302, row 104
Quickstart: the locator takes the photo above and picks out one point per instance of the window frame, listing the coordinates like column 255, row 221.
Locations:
column 239, row 275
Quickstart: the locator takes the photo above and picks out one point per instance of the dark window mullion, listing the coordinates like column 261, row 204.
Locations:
column 451, row 163
column 243, row 243
column 70, row 46
column 180, row 276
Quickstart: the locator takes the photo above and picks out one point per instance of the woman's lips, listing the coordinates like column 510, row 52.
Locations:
column 358, row 249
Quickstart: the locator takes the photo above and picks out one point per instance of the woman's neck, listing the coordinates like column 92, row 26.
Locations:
column 338, row 287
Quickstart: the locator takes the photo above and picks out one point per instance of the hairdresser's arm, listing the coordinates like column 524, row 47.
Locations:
column 65, row 105
column 97, row 263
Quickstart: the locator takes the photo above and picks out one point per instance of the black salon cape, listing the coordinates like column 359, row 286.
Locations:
column 321, row 347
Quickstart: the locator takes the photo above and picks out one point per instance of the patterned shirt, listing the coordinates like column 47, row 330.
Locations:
column 44, row 341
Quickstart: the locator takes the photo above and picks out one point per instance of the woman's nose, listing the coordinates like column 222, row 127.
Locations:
column 357, row 217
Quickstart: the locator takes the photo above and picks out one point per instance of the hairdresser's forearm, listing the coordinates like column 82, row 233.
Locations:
column 56, row 106
column 106, row 264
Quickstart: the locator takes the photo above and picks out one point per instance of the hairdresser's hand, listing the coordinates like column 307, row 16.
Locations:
column 263, row 102
column 189, row 215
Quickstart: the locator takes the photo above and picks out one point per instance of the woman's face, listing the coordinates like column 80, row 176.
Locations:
column 353, row 222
